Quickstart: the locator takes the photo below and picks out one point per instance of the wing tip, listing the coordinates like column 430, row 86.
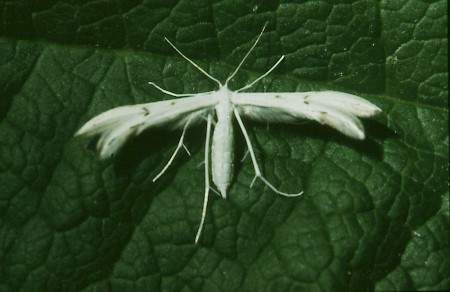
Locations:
column 372, row 110
column 82, row 131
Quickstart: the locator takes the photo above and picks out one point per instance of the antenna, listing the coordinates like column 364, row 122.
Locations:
column 246, row 55
column 193, row 64
column 262, row 76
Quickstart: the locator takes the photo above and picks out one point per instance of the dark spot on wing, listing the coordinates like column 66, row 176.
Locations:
column 324, row 118
column 306, row 99
column 278, row 96
column 172, row 103
column 136, row 126
column 146, row 111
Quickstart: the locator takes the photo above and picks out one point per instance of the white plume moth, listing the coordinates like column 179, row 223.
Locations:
column 336, row 109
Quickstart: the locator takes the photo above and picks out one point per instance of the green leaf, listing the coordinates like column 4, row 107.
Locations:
column 374, row 215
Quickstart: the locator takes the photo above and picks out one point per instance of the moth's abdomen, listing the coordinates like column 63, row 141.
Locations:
column 222, row 153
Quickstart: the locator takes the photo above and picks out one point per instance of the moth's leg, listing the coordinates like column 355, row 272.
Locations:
column 245, row 156
column 174, row 94
column 187, row 150
column 217, row 193
column 207, row 186
column 180, row 144
column 255, row 164
column 212, row 121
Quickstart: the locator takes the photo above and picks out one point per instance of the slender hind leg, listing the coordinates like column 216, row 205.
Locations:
column 180, row 144
column 255, row 165
column 207, row 185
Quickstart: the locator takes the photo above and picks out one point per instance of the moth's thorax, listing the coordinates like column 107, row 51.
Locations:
column 224, row 107
column 224, row 92
column 222, row 150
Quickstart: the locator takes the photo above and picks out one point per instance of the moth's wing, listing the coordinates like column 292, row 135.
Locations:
column 336, row 109
column 117, row 125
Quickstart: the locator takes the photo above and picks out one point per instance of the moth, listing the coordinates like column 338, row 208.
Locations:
column 220, row 108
